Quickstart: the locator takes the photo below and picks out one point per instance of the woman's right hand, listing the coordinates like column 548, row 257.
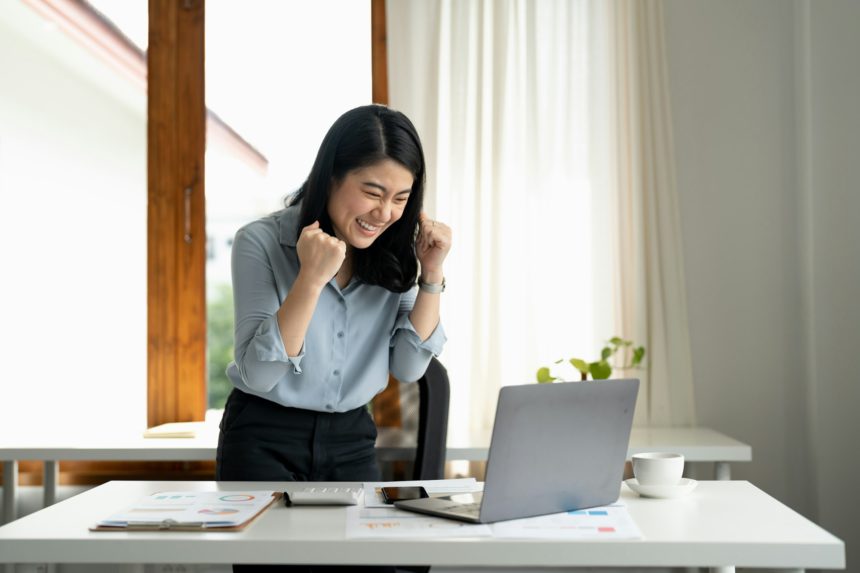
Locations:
column 320, row 254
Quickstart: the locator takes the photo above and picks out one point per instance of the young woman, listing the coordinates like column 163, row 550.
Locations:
column 326, row 306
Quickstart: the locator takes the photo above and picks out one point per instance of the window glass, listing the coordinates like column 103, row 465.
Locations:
column 72, row 227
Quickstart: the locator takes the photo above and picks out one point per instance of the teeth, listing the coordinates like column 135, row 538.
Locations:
column 364, row 225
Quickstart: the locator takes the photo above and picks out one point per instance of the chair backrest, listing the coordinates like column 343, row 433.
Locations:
column 434, row 396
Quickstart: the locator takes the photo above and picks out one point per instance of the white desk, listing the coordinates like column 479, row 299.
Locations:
column 721, row 524
column 697, row 445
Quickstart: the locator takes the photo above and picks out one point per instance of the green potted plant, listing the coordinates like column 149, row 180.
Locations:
column 600, row 369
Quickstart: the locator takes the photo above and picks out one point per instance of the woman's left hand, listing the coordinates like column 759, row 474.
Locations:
column 432, row 246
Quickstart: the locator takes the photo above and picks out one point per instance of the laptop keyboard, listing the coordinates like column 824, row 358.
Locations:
column 464, row 508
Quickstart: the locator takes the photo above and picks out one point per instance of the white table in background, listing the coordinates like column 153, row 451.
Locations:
column 697, row 445
column 722, row 524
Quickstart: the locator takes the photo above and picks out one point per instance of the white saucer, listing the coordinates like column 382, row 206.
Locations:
column 683, row 487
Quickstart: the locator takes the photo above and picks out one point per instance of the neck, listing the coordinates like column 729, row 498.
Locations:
column 344, row 274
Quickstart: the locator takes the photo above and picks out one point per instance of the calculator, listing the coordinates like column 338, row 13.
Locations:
column 328, row 495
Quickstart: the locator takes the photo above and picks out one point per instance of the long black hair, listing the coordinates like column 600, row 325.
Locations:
column 359, row 138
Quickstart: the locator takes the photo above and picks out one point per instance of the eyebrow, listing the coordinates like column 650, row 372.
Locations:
column 383, row 189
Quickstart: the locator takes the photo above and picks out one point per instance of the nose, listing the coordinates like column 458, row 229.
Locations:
column 383, row 211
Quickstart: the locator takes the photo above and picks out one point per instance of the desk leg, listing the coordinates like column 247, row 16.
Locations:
column 50, row 480
column 722, row 471
column 10, row 490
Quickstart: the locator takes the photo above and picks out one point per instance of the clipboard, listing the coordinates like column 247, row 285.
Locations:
column 191, row 511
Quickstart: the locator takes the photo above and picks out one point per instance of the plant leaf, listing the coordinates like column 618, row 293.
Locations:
column 543, row 375
column 580, row 365
column 606, row 353
column 616, row 341
column 638, row 355
column 600, row 370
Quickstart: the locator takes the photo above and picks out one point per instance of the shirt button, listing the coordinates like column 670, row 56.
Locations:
column 340, row 334
column 336, row 372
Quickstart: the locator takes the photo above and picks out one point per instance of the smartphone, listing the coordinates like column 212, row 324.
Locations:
column 392, row 494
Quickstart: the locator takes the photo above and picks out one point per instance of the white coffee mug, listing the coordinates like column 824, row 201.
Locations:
column 658, row 468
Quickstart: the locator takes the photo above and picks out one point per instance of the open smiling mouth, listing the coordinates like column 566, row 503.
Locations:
column 367, row 226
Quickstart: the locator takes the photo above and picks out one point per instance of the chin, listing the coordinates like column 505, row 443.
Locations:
column 361, row 242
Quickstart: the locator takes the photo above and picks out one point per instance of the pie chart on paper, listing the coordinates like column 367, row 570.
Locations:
column 237, row 497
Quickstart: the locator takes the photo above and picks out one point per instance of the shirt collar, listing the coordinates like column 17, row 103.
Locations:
column 288, row 221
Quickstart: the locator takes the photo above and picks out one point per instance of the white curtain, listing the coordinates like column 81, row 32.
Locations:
column 637, row 170
column 514, row 101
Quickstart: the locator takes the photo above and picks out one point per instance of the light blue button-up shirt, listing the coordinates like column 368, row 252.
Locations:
column 356, row 336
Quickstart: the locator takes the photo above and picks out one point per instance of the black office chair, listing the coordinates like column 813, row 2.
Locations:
column 420, row 411
column 434, row 393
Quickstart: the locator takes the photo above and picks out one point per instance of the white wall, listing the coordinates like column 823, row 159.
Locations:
column 766, row 128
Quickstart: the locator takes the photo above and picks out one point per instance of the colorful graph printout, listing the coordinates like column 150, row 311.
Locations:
column 609, row 522
column 166, row 510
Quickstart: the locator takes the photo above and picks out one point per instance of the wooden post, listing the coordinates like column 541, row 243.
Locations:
column 379, row 51
column 176, row 131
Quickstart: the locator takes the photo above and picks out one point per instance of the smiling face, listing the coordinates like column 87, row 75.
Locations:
column 368, row 201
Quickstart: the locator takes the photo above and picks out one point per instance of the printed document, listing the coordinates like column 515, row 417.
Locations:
column 191, row 510
column 608, row 522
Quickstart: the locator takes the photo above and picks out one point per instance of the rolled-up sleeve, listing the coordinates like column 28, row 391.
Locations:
column 269, row 345
column 259, row 350
column 409, row 355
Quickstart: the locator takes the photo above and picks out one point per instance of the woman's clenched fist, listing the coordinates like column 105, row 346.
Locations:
column 320, row 254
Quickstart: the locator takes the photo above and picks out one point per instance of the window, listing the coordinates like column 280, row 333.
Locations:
column 77, row 103
column 72, row 226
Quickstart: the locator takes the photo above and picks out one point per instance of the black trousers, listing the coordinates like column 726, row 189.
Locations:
column 264, row 441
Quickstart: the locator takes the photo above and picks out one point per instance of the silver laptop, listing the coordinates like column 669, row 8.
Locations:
column 555, row 447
